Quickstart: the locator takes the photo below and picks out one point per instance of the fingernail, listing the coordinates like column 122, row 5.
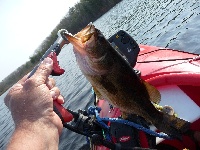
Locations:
column 47, row 61
column 53, row 94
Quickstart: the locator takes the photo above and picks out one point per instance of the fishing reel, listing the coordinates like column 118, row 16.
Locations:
column 82, row 123
column 85, row 124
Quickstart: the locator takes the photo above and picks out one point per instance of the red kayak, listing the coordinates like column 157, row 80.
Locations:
column 176, row 74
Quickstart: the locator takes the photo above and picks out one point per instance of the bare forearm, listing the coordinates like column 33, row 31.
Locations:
column 36, row 137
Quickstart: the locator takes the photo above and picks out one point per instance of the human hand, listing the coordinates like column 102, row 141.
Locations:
column 31, row 100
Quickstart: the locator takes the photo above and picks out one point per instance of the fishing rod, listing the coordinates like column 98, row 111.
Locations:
column 52, row 53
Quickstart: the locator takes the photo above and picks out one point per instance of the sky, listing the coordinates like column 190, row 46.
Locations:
column 24, row 25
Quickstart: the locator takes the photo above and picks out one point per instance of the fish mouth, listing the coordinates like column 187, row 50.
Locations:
column 79, row 40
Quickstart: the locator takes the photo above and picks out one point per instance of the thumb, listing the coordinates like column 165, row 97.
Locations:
column 44, row 70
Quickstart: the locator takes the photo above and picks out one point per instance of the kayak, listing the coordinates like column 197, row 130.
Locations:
column 176, row 74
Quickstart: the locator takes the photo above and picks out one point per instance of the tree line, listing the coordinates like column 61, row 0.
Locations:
column 78, row 17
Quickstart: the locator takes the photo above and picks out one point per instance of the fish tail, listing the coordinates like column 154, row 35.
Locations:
column 173, row 126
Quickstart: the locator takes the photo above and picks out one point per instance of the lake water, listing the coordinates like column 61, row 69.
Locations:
column 166, row 23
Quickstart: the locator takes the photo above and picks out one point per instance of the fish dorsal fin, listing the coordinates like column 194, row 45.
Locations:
column 154, row 94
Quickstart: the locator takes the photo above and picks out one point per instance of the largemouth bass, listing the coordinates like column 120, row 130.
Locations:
column 115, row 80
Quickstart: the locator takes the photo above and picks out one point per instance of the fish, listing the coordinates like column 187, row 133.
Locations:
column 114, row 80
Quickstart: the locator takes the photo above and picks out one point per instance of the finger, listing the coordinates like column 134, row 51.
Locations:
column 16, row 87
column 55, row 92
column 44, row 70
column 50, row 82
column 14, row 90
column 21, row 81
column 60, row 99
